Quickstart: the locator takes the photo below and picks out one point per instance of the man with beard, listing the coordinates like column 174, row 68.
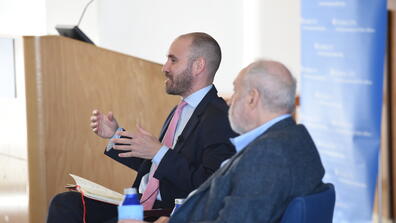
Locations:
column 193, row 143
column 276, row 158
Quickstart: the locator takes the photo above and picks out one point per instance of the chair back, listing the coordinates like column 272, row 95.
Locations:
column 313, row 208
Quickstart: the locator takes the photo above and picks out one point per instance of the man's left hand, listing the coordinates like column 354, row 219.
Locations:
column 142, row 144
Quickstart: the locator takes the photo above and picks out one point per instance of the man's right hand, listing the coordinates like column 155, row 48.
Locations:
column 103, row 125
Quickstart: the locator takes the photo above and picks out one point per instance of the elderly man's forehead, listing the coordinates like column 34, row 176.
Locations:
column 240, row 76
column 270, row 67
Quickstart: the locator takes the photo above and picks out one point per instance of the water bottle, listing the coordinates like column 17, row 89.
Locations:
column 178, row 203
column 130, row 207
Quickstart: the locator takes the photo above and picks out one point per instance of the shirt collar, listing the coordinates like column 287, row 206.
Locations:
column 240, row 142
column 195, row 98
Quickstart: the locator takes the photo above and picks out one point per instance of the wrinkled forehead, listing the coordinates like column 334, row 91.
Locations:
column 240, row 79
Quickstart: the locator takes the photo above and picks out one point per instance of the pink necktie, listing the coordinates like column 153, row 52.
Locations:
column 150, row 194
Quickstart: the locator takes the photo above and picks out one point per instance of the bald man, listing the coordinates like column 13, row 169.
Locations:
column 276, row 158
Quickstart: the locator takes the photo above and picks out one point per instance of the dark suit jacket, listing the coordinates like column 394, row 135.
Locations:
column 257, row 184
column 198, row 152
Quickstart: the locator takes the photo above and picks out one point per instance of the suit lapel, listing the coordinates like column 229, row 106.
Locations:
column 207, row 184
column 192, row 123
column 222, row 171
column 194, row 119
column 145, row 166
column 166, row 124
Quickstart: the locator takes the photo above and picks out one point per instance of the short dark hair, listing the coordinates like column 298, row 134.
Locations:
column 203, row 45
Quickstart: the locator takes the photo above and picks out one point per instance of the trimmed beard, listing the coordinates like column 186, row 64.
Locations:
column 179, row 84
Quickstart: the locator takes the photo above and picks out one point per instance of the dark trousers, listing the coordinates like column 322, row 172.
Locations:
column 67, row 208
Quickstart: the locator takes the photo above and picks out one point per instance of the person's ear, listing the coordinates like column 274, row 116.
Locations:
column 198, row 65
column 254, row 98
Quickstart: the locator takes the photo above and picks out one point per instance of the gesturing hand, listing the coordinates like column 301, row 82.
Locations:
column 140, row 144
column 103, row 125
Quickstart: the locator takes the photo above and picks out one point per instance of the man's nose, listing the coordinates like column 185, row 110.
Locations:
column 165, row 67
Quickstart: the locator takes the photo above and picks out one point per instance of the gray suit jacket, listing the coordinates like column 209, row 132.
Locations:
column 257, row 184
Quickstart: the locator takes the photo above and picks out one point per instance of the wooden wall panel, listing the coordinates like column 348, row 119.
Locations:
column 65, row 81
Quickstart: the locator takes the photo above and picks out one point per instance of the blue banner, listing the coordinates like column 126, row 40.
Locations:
column 342, row 60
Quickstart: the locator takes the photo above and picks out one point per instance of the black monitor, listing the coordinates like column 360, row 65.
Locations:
column 73, row 32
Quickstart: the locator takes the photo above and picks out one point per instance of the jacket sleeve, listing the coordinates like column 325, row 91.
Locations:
column 131, row 162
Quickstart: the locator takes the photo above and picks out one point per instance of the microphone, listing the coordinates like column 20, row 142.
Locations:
column 73, row 31
column 85, row 9
column 180, row 139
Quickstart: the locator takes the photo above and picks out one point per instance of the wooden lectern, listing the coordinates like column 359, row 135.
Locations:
column 65, row 80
